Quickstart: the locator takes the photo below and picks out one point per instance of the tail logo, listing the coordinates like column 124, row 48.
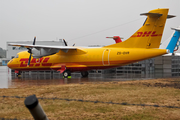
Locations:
column 146, row 34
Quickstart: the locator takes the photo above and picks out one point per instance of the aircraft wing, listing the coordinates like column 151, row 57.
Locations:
column 43, row 46
column 39, row 51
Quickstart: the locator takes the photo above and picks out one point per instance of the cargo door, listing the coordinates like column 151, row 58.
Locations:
column 105, row 57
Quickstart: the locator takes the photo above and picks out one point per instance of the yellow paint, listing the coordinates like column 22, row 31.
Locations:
column 153, row 24
column 136, row 48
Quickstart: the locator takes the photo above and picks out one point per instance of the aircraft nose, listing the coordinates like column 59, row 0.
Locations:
column 9, row 64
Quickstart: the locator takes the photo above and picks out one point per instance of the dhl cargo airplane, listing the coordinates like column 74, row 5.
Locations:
column 143, row 44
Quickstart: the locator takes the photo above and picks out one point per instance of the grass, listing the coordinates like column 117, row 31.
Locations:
column 158, row 91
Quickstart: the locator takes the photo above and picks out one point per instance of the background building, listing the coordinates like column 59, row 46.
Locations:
column 3, row 57
column 2, row 53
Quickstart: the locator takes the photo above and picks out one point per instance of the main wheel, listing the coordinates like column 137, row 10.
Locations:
column 84, row 73
column 66, row 74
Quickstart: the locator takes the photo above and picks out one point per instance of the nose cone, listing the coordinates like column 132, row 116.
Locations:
column 9, row 64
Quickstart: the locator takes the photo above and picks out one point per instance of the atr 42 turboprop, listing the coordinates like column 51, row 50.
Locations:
column 143, row 44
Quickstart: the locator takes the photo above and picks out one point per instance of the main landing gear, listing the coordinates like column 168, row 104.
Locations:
column 84, row 73
column 67, row 74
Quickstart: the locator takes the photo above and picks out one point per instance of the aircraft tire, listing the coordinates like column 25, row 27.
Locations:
column 84, row 73
column 66, row 74
column 18, row 74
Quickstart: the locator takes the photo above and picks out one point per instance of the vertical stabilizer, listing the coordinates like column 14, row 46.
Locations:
column 150, row 34
column 173, row 42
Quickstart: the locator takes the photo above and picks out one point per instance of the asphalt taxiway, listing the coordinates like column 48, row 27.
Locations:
column 9, row 80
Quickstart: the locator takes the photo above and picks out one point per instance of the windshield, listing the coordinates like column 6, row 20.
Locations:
column 17, row 56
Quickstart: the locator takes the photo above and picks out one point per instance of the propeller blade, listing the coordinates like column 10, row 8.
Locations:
column 65, row 42
column 29, row 50
column 29, row 60
column 34, row 40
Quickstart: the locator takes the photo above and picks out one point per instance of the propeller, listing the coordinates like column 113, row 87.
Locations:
column 65, row 43
column 30, row 51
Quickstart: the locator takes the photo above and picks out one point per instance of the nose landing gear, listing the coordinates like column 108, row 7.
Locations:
column 18, row 73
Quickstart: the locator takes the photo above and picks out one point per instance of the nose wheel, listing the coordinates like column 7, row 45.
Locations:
column 18, row 73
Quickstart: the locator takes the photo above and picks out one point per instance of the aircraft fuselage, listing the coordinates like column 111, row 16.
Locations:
column 89, row 58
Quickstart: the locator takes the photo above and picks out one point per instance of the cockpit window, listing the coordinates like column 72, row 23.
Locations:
column 17, row 56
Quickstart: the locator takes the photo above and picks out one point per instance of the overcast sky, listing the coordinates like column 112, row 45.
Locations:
column 84, row 22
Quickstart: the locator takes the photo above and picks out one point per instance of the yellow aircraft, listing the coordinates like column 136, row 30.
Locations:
column 143, row 44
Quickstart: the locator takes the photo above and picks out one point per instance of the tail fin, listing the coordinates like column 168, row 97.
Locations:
column 149, row 35
column 173, row 42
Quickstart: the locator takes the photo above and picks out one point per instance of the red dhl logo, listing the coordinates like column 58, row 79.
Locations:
column 35, row 62
column 146, row 34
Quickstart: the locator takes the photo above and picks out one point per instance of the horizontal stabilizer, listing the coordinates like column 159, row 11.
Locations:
column 157, row 15
column 152, row 14
column 177, row 29
column 170, row 16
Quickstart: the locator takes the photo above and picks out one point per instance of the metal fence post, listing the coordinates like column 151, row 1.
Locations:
column 32, row 103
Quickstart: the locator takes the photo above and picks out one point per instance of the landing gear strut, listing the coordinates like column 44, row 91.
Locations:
column 84, row 73
column 18, row 73
column 66, row 74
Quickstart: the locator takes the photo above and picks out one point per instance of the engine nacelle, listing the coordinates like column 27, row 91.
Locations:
column 41, row 52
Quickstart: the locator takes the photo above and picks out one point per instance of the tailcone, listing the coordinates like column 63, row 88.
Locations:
column 150, row 53
column 167, row 51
